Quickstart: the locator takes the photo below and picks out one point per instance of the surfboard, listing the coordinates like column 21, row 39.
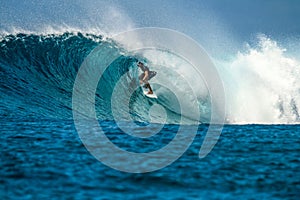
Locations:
column 145, row 92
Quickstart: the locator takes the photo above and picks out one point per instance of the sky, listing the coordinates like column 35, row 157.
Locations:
column 218, row 23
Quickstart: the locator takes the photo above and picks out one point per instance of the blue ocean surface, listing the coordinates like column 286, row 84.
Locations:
column 46, row 159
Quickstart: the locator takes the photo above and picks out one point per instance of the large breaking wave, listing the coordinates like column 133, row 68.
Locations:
column 38, row 73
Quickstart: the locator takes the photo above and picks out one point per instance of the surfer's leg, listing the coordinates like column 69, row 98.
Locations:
column 149, row 87
column 141, row 76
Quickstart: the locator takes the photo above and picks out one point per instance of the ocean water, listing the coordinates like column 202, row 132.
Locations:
column 47, row 153
column 46, row 159
column 42, row 155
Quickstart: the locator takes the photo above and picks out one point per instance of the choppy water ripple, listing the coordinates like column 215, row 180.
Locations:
column 42, row 159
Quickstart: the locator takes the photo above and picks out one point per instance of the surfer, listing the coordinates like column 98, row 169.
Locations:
column 146, row 76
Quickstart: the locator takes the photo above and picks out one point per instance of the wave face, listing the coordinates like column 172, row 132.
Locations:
column 38, row 73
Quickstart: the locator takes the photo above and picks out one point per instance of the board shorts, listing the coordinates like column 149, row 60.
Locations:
column 151, row 75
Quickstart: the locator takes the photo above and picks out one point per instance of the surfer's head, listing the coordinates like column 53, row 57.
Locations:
column 140, row 64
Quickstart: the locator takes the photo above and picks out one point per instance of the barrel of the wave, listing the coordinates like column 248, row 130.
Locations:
column 121, row 102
